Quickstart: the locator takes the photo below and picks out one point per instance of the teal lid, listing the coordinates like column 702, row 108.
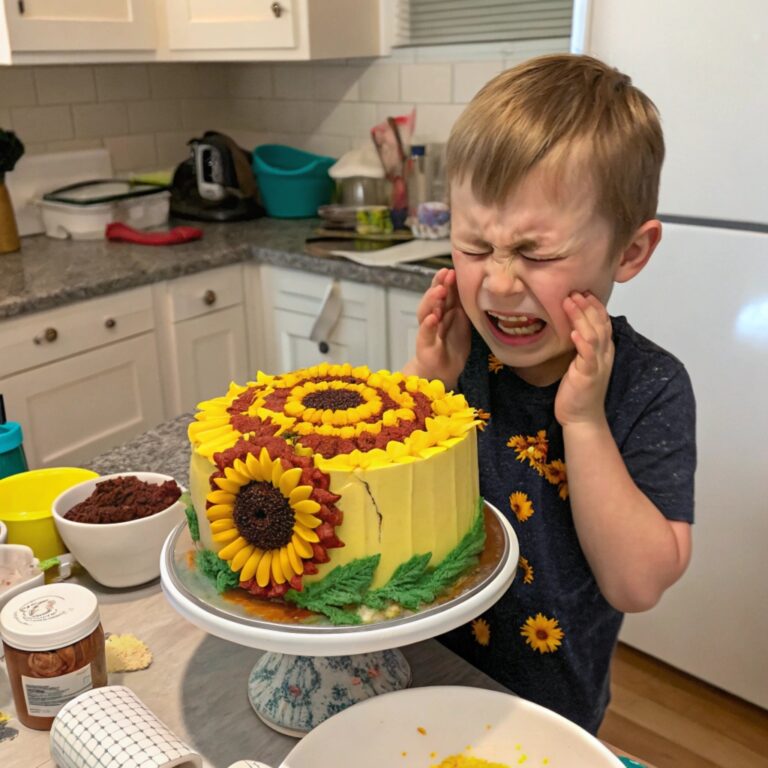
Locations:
column 10, row 436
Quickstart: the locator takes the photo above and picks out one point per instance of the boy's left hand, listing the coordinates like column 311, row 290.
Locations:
column 581, row 394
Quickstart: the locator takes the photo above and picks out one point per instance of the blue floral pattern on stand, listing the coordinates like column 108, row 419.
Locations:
column 293, row 694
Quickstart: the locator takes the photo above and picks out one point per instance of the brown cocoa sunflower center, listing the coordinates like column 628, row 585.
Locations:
column 263, row 516
column 332, row 400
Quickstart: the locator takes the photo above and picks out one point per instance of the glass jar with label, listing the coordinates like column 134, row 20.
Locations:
column 54, row 649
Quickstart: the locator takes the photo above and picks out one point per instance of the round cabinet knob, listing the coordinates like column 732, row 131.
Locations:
column 49, row 335
column 277, row 10
column 323, row 347
column 110, row 322
column 209, row 297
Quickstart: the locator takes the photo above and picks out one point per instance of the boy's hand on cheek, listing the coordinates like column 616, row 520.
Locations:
column 581, row 395
column 443, row 340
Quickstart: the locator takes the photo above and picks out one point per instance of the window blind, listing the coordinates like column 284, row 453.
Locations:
column 436, row 22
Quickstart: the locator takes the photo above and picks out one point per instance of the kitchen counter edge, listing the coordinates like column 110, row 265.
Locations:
column 48, row 273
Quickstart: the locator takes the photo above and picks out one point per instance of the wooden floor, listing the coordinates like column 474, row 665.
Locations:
column 673, row 720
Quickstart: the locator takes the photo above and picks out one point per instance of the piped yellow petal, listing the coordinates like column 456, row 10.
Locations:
column 285, row 564
column 241, row 558
column 264, row 569
column 309, row 520
column 297, row 564
column 305, row 533
column 290, row 480
column 303, row 549
column 228, row 552
column 226, row 536
column 219, row 512
column 230, row 486
column 254, row 467
column 299, row 493
column 249, row 569
column 220, row 497
column 224, row 524
column 306, row 507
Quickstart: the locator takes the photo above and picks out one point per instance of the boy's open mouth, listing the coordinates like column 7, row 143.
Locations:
column 516, row 325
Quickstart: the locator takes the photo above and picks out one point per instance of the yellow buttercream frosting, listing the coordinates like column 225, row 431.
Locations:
column 404, row 466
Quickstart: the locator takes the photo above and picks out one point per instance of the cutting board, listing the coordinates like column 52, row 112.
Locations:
column 34, row 175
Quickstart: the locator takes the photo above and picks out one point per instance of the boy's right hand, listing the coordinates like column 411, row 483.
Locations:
column 443, row 340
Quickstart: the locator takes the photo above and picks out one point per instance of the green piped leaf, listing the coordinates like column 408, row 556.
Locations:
column 217, row 570
column 344, row 585
column 412, row 585
column 189, row 511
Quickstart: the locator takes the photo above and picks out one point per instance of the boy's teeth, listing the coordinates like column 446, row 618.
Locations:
column 517, row 325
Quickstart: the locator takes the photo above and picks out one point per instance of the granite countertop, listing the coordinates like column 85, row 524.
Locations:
column 48, row 273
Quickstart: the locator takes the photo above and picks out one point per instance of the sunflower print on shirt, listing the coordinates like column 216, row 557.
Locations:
column 542, row 633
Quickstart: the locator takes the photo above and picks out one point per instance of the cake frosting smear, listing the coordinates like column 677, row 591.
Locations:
column 348, row 492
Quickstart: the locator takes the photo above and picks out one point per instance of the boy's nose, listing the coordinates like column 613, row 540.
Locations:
column 501, row 276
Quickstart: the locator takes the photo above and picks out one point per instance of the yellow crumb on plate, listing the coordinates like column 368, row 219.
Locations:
column 126, row 653
column 462, row 761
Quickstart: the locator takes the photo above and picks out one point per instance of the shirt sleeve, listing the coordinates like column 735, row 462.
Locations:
column 659, row 449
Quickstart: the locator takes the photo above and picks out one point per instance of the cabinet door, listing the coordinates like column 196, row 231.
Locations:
column 402, row 326
column 212, row 351
column 85, row 25
column 292, row 301
column 76, row 408
column 294, row 349
column 211, row 24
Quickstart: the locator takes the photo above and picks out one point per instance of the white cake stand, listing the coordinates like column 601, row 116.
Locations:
column 311, row 671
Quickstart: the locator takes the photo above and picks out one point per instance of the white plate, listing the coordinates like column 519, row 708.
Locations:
column 419, row 727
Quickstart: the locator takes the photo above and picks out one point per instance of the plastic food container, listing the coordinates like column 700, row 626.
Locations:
column 82, row 211
column 293, row 183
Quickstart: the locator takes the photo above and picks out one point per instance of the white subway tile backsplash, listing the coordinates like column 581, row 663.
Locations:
column 292, row 81
column 132, row 152
column 92, row 120
column 41, row 124
column 205, row 114
column 428, row 83
column 336, row 82
column 380, row 82
column 470, row 76
column 285, row 116
column 152, row 116
column 64, row 85
column 172, row 148
column 434, row 121
column 146, row 112
column 122, row 82
column 249, row 81
column 344, row 119
column 17, row 87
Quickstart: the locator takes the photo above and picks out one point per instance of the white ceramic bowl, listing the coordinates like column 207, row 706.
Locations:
column 117, row 554
column 421, row 727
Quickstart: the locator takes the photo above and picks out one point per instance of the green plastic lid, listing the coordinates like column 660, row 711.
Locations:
column 10, row 436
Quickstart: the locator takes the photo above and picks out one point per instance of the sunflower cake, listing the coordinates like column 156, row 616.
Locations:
column 347, row 492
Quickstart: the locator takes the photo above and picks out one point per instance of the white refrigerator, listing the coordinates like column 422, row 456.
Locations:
column 704, row 297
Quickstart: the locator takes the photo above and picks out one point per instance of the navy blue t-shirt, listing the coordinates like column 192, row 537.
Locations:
column 551, row 636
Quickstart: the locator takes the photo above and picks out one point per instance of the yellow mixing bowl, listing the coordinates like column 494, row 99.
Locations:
column 25, row 506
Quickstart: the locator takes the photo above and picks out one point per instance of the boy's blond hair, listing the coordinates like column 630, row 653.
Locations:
column 565, row 108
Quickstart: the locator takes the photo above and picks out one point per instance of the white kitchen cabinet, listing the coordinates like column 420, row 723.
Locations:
column 402, row 326
column 204, row 343
column 47, row 31
column 54, row 31
column 252, row 30
column 82, row 379
column 309, row 319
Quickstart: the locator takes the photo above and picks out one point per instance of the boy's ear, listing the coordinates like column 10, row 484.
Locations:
column 636, row 255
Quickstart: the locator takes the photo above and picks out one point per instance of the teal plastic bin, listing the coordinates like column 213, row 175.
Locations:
column 293, row 183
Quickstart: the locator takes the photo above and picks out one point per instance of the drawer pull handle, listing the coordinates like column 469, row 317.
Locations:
column 49, row 335
column 110, row 322
column 323, row 347
column 277, row 10
column 209, row 297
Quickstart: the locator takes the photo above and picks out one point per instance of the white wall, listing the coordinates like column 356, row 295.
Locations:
column 145, row 113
